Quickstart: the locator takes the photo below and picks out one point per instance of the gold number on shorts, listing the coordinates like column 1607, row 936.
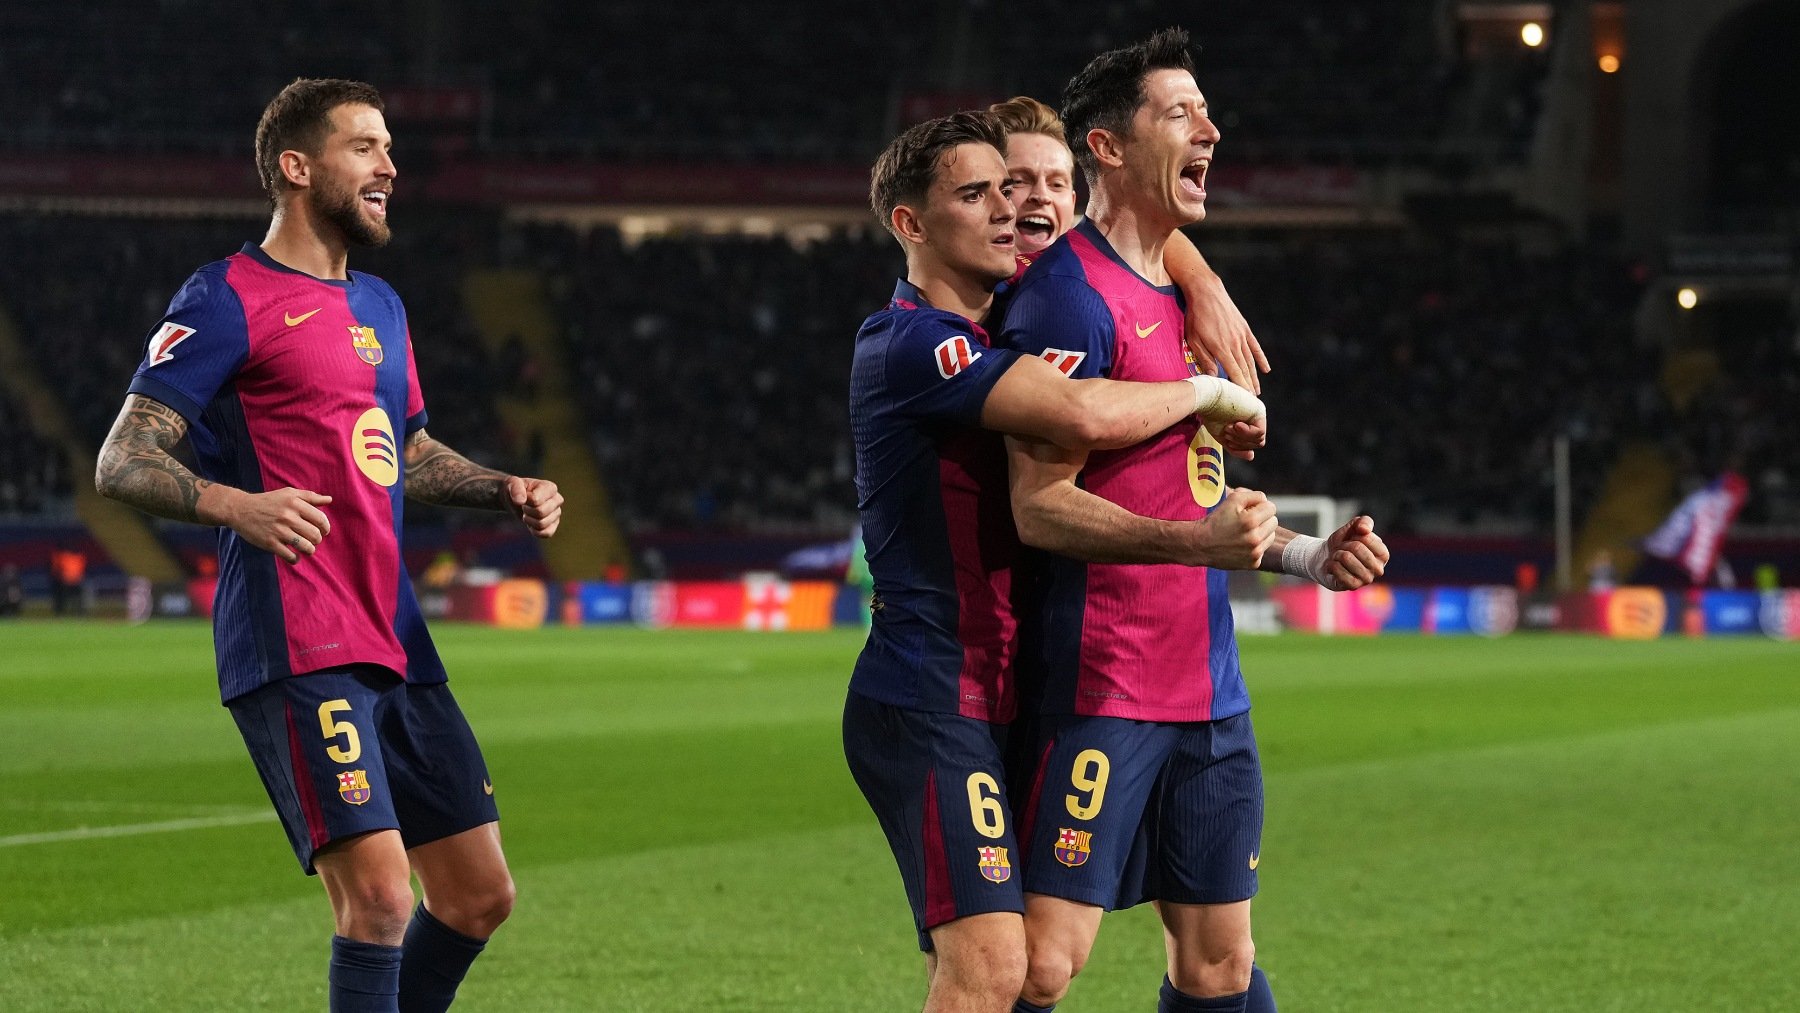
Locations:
column 1089, row 778
column 984, row 806
column 333, row 729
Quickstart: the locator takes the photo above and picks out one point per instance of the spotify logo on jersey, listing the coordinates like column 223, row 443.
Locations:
column 372, row 447
column 1206, row 469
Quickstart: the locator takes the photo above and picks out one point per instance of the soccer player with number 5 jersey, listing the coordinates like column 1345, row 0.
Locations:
column 290, row 380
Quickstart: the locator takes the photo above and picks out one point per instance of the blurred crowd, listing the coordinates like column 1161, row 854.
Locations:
column 716, row 82
column 34, row 474
column 1425, row 376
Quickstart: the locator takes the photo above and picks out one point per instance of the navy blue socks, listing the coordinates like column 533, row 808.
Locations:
column 437, row 957
column 365, row 977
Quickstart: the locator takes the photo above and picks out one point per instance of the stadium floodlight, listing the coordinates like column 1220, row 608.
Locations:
column 1687, row 298
column 1532, row 34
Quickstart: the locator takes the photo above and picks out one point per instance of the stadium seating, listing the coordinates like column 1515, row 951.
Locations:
column 1423, row 376
column 1371, row 82
column 34, row 475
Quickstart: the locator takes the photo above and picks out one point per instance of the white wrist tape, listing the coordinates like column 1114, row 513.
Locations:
column 1219, row 400
column 1307, row 557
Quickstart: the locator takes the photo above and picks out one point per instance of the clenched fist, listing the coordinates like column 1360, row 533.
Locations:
column 536, row 502
column 1236, row 534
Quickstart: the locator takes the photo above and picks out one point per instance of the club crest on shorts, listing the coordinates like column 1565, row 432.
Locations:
column 1073, row 846
column 994, row 865
column 353, row 786
column 367, row 348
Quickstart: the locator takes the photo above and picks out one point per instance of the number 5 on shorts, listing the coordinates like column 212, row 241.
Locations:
column 984, row 805
column 333, row 729
column 1088, row 778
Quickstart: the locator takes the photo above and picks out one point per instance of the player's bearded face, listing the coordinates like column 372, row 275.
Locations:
column 1043, row 193
column 1170, row 147
column 970, row 225
column 341, row 203
column 354, row 176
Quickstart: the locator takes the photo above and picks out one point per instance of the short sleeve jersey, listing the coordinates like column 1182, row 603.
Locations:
column 937, row 522
column 1146, row 642
column 290, row 380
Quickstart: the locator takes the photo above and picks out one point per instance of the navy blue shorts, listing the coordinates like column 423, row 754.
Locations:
column 348, row 751
column 937, row 783
column 1120, row 812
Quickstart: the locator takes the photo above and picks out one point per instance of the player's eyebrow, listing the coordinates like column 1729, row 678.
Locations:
column 979, row 186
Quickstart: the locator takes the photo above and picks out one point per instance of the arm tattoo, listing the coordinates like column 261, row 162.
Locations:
column 440, row 476
column 137, row 469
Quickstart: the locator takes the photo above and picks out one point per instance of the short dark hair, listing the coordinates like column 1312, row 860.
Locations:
column 1109, row 90
column 904, row 172
column 299, row 119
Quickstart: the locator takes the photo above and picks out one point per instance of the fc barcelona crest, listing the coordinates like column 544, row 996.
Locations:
column 367, row 348
column 994, row 865
column 1073, row 846
column 353, row 786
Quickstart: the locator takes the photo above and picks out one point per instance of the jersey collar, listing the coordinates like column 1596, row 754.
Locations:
column 908, row 297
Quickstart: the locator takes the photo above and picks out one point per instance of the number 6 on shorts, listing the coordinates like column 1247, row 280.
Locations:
column 985, row 809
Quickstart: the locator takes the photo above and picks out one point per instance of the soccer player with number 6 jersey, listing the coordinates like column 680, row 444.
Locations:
column 932, row 692
column 290, row 381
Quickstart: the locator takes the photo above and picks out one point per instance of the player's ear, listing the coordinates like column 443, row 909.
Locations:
column 296, row 168
column 906, row 224
column 1108, row 147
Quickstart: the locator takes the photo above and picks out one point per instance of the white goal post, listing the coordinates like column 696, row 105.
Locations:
column 1318, row 516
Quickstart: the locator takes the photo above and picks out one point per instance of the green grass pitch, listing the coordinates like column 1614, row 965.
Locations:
column 1543, row 823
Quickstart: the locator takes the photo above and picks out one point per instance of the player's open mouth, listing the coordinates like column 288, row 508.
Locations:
column 1037, row 228
column 1004, row 239
column 1193, row 177
column 377, row 199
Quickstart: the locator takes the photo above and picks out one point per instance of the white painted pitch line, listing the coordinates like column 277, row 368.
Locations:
column 134, row 829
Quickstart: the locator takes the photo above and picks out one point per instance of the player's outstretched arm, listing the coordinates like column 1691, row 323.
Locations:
column 137, row 469
column 1354, row 556
column 1035, row 399
column 440, row 476
column 1053, row 513
column 1216, row 331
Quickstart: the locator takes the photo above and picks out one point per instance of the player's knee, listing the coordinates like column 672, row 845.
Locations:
column 1221, row 971
column 496, row 905
column 1048, row 973
column 476, row 911
column 376, row 911
column 991, row 972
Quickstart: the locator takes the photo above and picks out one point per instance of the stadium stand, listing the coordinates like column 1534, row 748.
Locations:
column 1373, row 82
column 712, row 369
column 34, row 476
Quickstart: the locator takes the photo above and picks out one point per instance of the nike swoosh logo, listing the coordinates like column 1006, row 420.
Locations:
column 488, row 786
column 1254, row 859
column 293, row 321
column 1142, row 331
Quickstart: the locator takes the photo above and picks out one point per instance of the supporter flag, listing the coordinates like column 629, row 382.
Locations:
column 1692, row 535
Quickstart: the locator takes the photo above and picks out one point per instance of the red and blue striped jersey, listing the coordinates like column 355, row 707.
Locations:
column 1146, row 642
column 937, row 521
column 290, row 380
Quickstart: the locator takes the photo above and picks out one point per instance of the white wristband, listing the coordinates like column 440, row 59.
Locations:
column 1307, row 557
column 1219, row 400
